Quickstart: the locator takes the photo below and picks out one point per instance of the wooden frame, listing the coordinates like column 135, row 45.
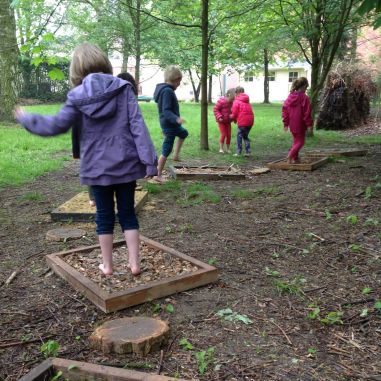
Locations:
column 337, row 152
column 282, row 164
column 203, row 176
column 115, row 301
column 79, row 371
column 87, row 213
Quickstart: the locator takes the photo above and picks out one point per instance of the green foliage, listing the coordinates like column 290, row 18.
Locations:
column 314, row 313
column 328, row 215
column 354, row 247
column 212, row 261
column 229, row 315
column 293, row 287
column 31, row 196
column 352, row 219
column 198, row 193
column 371, row 221
column 204, row 359
column 366, row 290
column 248, row 194
column 377, row 305
column 185, row 344
column 272, row 273
column 368, row 6
column 333, row 317
column 50, row 348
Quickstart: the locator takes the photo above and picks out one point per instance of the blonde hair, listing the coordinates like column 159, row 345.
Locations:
column 299, row 83
column 239, row 90
column 88, row 58
column 172, row 73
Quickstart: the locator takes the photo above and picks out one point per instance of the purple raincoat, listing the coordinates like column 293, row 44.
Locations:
column 115, row 145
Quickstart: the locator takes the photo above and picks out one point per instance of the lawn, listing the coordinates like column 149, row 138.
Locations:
column 24, row 156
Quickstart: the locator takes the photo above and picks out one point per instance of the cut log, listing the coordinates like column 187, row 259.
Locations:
column 64, row 234
column 140, row 335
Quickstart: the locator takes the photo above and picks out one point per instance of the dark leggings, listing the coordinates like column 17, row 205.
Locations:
column 125, row 199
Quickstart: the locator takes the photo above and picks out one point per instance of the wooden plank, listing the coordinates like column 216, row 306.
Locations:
column 282, row 164
column 109, row 302
column 78, row 208
column 337, row 152
column 42, row 372
column 80, row 371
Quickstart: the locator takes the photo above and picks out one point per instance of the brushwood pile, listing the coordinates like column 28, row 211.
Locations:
column 345, row 100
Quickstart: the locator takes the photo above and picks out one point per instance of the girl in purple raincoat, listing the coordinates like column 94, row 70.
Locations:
column 115, row 145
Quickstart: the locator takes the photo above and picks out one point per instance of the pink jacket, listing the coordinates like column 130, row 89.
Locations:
column 222, row 109
column 296, row 112
column 242, row 112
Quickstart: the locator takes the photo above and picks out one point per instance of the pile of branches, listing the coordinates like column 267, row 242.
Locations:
column 345, row 101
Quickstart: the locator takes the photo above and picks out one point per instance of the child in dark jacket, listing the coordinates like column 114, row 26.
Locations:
column 115, row 146
column 243, row 115
column 169, row 115
column 222, row 111
column 296, row 115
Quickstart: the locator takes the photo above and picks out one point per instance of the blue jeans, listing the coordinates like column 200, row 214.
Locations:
column 243, row 133
column 125, row 200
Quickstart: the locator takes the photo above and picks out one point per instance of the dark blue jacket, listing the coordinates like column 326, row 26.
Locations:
column 168, row 106
column 115, row 145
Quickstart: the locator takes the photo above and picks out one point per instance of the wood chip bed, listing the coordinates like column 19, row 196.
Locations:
column 156, row 265
column 307, row 163
column 206, row 172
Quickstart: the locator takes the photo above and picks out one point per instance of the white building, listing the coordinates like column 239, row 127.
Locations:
column 281, row 77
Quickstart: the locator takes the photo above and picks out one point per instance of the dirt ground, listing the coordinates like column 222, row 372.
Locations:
column 299, row 259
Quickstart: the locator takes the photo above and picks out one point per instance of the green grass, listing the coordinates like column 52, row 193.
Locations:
column 24, row 156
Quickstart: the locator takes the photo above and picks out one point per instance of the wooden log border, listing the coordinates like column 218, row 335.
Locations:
column 114, row 301
column 339, row 152
column 58, row 215
column 203, row 176
column 282, row 164
column 79, row 371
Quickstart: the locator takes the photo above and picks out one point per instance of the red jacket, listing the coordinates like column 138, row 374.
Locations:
column 296, row 112
column 222, row 109
column 242, row 112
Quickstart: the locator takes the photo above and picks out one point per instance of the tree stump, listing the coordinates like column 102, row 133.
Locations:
column 139, row 335
column 64, row 234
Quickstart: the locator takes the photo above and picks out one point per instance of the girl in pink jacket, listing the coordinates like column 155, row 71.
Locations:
column 222, row 111
column 296, row 115
column 243, row 115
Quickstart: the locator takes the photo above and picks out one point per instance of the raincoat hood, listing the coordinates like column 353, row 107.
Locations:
column 295, row 98
column 96, row 96
column 242, row 97
column 159, row 89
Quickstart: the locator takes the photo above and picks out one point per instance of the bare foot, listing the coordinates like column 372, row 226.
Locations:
column 289, row 160
column 135, row 271
column 104, row 271
column 296, row 161
column 176, row 158
column 158, row 179
column 92, row 203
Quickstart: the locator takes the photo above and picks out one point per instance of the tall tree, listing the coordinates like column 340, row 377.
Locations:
column 317, row 27
column 8, row 61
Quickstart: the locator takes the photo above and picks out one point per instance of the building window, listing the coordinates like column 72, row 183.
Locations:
column 271, row 75
column 292, row 75
column 249, row 76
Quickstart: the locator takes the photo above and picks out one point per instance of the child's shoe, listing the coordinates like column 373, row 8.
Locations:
column 228, row 151
column 247, row 154
column 237, row 154
column 221, row 150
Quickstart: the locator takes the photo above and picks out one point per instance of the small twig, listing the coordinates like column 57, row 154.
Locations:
column 161, row 362
column 6, row 345
column 10, row 279
column 282, row 330
column 14, row 313
column 358, row 302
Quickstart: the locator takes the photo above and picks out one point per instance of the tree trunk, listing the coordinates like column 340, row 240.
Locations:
column 196, row 90
column 138, row 45
column 9, row 73
column 126, row 53
column 266, row 88
column 204, row 78
column 210, row 89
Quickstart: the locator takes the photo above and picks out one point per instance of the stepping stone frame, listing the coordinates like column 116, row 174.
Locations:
column 78, row 208
column 120, row 299
column 307, row 164
column 337, row 152
column 79, row 371
column 205, row 172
